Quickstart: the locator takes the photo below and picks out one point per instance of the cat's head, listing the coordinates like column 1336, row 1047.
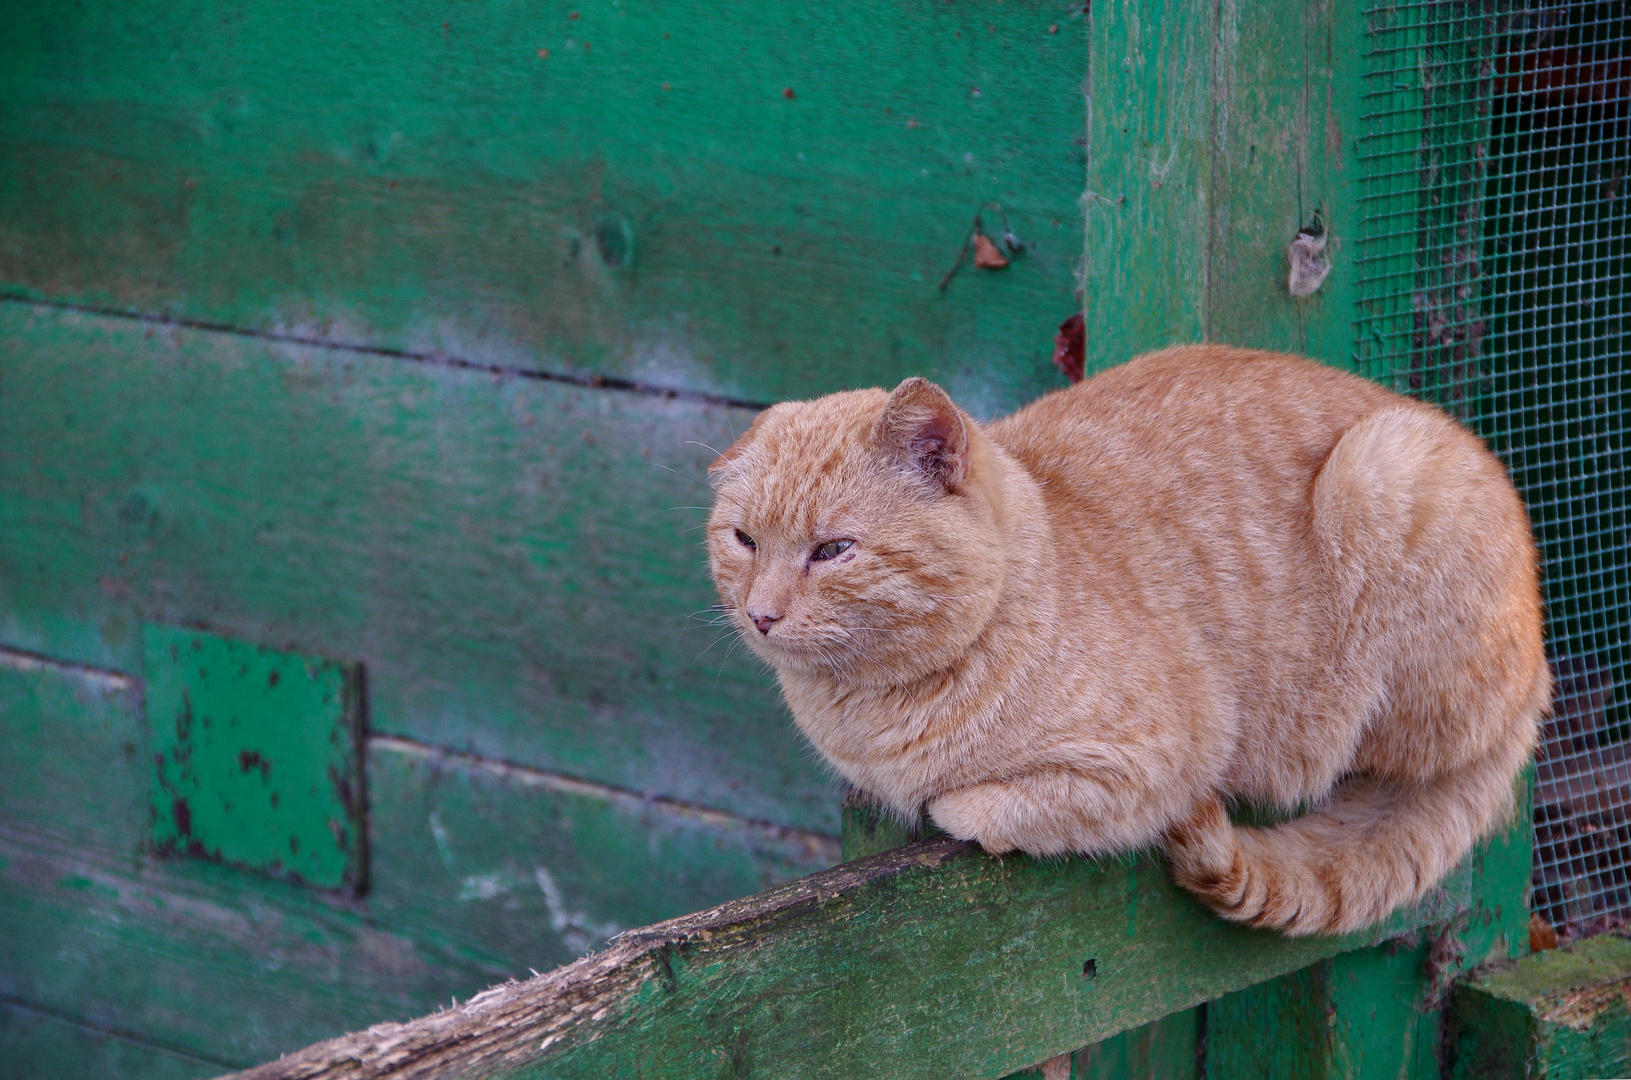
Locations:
column 858, row 534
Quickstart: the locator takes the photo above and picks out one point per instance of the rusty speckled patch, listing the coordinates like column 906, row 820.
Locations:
column 256, row 757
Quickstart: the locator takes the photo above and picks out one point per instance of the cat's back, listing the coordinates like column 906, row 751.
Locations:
column 1191, row 398
column 1185, row 477
column 1208, row 411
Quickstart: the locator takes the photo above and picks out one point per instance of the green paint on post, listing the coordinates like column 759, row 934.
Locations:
column 1163, row 1050
column 1553, row 1016
column 256, row 757
column 1214, row 137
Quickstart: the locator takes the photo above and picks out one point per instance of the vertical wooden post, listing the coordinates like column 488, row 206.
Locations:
column 1213, row 139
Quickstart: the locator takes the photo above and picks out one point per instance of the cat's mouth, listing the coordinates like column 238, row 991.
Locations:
column 775, row 634
column 782, row 642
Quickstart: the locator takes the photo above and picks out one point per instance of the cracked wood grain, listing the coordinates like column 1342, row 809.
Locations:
column 927, row 960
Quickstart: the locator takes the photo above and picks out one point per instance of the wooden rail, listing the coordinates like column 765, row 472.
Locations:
column 928, row 960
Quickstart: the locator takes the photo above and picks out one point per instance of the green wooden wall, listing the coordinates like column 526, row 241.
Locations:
column 399, row 335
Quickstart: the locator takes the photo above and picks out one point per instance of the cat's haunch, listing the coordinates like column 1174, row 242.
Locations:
column 1210, row 574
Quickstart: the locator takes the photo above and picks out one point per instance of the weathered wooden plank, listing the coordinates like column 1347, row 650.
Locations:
column 75, row 762
column 1163, row 1049
column 1287, row 106
column 1276, row 1029
column 481, row 871
column 37, row 1044
column 514, row 561
column 1550, row 1016
column 1359, row 1016
column 1362, row 1014
column 206, row 959
column 513, row 864
column 1217, row 133
column 759, row 202
column 226, row 965
column 1387, row 1017
column 925, row 961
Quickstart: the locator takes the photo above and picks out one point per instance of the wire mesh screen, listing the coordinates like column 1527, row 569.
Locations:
column 1495, row 148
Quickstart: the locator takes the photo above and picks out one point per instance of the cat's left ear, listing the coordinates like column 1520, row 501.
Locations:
column 924, row 429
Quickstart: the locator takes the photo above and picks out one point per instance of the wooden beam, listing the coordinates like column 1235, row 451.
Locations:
column 1554, row 1014
column 929, row 960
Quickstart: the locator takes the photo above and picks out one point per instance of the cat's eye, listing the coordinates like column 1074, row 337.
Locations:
column 746, row 540
column 832, row 549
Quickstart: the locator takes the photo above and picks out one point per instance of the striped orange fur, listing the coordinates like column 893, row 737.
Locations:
column 1210, row 574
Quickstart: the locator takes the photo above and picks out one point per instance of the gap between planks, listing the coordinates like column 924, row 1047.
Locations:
column 136, row 1038
column 434, row 359
column 815, row 845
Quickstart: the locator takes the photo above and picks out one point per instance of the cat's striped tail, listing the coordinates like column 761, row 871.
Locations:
column 1373, row 847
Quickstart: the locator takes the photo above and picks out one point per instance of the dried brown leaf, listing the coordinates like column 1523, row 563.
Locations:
column 987, row 256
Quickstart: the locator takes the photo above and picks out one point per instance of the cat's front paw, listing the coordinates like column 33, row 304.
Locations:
column 974, row 813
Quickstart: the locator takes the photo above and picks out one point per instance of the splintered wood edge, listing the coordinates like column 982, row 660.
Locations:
column 517, row 1022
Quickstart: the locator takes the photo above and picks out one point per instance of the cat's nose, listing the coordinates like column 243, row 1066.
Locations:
column 763, row 622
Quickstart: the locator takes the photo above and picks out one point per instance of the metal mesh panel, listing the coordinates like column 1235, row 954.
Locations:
column 1496, row 146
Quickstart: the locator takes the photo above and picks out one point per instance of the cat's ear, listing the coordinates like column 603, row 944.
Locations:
column 923, row 429
column 722, row 464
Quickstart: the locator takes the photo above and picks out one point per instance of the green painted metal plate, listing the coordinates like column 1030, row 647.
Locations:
column 257, row 757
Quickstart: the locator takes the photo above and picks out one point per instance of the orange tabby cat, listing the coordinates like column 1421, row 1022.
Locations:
column 1209, row 574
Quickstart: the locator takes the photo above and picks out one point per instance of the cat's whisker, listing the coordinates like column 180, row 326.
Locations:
column 713, row 616
column 711, row 609
column 676, row 472
column 716, row 641
column 709, row 624
column 720, row 674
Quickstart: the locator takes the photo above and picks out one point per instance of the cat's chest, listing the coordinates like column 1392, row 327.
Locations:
column 901, row 755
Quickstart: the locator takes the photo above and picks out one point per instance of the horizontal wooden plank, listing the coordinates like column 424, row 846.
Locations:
column 207, row 959
column 480, row 872
column 500, row 862
column 929, row 960
column 516, row 562
column 758, row 202
column 38, row 1044
column 75, row 765
column 1164, row 1049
